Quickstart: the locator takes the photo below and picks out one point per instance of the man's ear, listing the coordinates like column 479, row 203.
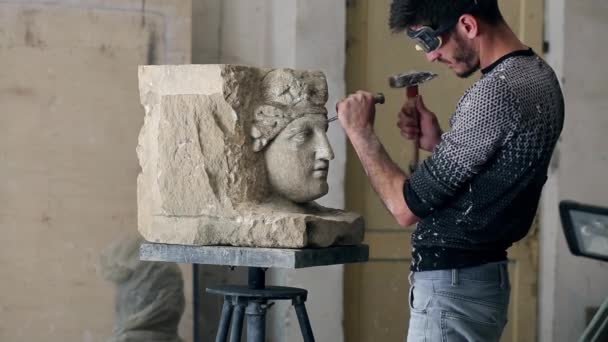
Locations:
column 469, row 25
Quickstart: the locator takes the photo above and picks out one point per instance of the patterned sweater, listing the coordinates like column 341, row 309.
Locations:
column 478, row 193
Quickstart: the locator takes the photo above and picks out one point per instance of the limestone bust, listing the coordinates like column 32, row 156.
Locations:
column 236, row 155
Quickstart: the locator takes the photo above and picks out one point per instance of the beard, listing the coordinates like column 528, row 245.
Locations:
column 465, row 55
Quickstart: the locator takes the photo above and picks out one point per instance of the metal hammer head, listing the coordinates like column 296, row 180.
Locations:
column 410, row 79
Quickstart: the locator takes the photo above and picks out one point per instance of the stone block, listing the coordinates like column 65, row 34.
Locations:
column 236, row 155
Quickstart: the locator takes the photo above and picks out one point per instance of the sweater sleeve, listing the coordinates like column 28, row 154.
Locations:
column 482, row 123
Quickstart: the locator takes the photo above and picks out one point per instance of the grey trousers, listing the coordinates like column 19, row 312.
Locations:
column 467, row 304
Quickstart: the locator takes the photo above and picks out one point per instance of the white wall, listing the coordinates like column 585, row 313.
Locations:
column 571, row 284
column 301, row 34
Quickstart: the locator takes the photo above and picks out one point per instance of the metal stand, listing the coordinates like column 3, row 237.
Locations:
column 252, row 301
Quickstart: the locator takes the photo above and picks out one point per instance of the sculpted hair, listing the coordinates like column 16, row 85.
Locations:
column 405, row 13
column 287, row 95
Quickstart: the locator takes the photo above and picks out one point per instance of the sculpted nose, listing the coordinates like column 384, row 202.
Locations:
column 324, row 150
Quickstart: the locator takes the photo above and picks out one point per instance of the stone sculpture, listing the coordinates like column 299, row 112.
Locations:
column 149, row 295
column 236, row 155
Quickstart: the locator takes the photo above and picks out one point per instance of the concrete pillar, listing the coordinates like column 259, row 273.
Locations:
column 570, row 285
column 302, row 34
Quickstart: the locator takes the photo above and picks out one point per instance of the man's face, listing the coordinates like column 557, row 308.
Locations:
column 297, row 160
column 457, row 52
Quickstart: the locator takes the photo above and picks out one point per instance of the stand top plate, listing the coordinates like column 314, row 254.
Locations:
column 254, row 257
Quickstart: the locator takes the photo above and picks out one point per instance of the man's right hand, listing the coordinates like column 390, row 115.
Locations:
column 429, row 130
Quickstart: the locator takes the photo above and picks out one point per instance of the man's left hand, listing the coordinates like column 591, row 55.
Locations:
column 357, row 112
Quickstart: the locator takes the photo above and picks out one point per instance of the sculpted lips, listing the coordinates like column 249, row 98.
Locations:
column 321, row 168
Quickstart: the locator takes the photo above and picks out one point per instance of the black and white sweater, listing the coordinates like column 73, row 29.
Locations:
column 478, row 192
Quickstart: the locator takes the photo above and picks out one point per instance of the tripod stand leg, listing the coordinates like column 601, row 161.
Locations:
column 305, row 327
column 237, row 321
column 222, row 331
column 256, row 321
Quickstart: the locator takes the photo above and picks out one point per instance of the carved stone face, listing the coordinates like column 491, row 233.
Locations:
column 297, row 160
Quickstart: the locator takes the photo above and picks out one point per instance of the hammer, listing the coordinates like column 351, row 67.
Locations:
column 410, row 81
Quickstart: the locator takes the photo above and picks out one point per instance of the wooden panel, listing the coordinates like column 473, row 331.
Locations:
column 376, row 293
column 370, row 63
column 523, row 270
column 377, row 300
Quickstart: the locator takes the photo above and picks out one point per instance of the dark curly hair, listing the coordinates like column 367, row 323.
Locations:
column 405, row 13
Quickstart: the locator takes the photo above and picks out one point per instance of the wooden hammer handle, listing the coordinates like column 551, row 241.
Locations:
column 411, row 94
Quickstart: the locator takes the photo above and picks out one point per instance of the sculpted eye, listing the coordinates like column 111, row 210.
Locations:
column 301, row 135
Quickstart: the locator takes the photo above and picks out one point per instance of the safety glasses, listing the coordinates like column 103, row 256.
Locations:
column 428, row 39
